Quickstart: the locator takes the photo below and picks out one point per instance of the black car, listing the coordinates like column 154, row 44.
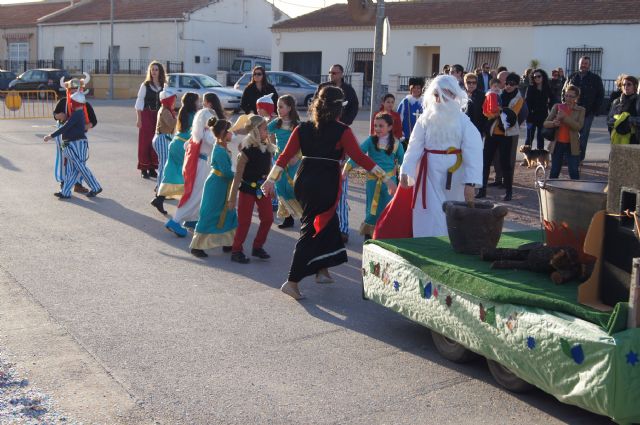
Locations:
column 40, row 79
column 5, row 78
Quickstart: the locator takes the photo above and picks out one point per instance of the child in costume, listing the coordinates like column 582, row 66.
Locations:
column 491, row 104
column 385, row 151
column 410, row 108
column 281, row 128
column 387, row 105
column 75, row 149
column 253, row 165
column 195, row 171
column 217, row 224
column 165, row 126
column 172, row 185
column 61, row 112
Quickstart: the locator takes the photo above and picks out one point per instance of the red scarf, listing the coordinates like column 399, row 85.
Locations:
column 73, row 105
column 168, row 104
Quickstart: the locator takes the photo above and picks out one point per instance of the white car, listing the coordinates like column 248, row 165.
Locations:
column 201, row 84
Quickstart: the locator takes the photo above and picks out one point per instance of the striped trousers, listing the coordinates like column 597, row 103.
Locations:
column 76, row 153
column 59, row 167
column 343, row 208
column 161, row 146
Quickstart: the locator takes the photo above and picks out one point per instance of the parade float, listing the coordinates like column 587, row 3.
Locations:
column 576, row 340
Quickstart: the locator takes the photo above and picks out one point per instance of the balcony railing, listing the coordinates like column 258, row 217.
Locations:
column 93, row 66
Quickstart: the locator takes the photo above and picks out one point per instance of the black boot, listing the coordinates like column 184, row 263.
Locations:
column 239, row 257
column 199, row 253
column 288, row 222
column 158, row 202
column 507, row 196
column 144, row 174
column 482, row 193
column 153, row 173
column 260, row 253
column 227, row 248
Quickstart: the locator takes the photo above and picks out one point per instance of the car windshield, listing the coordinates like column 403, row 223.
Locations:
column 244, row 80
column 208, row 82
column 57, row 74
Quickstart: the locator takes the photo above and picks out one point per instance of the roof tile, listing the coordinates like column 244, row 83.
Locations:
column 26, row 15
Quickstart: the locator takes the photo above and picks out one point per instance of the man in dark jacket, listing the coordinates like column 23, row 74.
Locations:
column 591, row 96
column 350, row 111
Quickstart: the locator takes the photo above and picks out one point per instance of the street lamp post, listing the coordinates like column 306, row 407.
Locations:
column 111, row 96
column 376, row 86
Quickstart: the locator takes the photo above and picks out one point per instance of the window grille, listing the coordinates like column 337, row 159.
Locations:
column 575, row 53
column 480, row 55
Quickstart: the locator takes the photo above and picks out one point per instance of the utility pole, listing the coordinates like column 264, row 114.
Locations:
column 111, row 96
column 376, row 87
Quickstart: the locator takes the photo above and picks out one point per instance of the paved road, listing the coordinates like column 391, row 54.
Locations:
column 115, row 320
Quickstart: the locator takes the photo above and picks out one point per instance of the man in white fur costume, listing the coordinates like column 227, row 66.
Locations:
column 444, row 159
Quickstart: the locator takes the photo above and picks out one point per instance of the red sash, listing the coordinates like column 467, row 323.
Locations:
column 421, row 180
column 189, row 169
column 322, row 219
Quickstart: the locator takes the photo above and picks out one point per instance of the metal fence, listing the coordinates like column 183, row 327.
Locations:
column 94, row 66
column 27, row 104
column 403, row 84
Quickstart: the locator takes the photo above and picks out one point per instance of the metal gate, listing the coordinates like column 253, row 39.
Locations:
column 226, row 57
column 27, row 104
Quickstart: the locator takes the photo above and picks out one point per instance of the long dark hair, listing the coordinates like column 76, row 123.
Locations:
column 386, row 117
column 327, row 107
column 189, row 106
column 293, row 113
column 218, row 126
column 546, row 87
column 265, row 81
column 213, row 99
column 162, row 76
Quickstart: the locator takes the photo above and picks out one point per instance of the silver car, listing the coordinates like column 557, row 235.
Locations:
column 286, row 82
column 201, row 84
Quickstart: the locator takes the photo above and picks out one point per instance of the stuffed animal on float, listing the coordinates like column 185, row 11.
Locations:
column 561, row 263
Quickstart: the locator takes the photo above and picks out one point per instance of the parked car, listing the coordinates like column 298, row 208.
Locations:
column 40, row 79
column 5, row 78
column 201, row 84
column 286, row 82
column 244, row 63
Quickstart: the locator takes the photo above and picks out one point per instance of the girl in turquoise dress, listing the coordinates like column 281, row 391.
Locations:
column 388, row 153
column 281, row 127
column 172, row 185
column 217, row 224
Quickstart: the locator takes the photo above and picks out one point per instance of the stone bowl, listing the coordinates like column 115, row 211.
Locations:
column 473, row 228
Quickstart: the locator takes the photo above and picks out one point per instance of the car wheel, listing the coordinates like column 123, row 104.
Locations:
column 507, row 379
column 451, row 350
column 308, row 100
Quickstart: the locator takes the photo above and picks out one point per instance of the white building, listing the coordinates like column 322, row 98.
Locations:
column 428, row 34
column 204, row 34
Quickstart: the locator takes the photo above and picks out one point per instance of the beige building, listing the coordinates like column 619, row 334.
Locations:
column 18, row 32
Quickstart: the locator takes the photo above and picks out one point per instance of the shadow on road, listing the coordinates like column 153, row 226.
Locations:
column 7, row 164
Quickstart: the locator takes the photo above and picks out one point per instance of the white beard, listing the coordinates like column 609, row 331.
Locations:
column 443, row 127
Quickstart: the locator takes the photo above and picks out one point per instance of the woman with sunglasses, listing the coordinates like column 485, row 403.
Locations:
column 628, row 102
column 258, row 86
column 538, row 99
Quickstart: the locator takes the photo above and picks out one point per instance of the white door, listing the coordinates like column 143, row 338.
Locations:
column 86, row 54
column 144, row 59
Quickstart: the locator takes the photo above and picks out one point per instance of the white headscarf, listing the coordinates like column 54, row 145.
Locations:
column 199, row 128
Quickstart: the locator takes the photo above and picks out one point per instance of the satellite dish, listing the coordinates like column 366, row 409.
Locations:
column 362, row 11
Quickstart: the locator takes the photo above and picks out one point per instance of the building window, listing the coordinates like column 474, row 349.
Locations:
column 18, row 54
column 480, row 55
column 575, row 53
column 226, row 57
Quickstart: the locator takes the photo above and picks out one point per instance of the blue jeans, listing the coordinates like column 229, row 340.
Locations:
column 531, row 132
column 561, row 151
column 584, row 135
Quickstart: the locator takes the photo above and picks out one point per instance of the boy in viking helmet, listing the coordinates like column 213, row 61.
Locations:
column 62, row 112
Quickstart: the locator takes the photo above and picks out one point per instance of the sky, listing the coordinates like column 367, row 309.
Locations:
column 292, row 8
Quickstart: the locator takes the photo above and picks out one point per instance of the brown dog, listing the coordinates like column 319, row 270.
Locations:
column 534, row 157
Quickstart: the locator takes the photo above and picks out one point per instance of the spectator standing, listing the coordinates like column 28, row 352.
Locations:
column 349, row 113
column 457, row 71
column 147, row 106
column 410, row 108
column 476, row 99
column 525, row 81
column 484, row 77
column 555, row 84
column 258, row 87
column 618, row 91
column 591, row 96
column 567, row 118
column 538, row 99
column 629, row 102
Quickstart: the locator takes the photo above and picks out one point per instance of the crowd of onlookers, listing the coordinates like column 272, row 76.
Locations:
column 556, row 110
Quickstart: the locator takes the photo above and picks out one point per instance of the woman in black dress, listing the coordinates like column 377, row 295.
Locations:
column 258, row 86
column 324, row 141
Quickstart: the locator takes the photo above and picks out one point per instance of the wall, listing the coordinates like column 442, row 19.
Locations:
column 160, row 37
column 240, row 24
column 32, row 40
column 124, row 86
column 516, row 46
column 619, row 56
